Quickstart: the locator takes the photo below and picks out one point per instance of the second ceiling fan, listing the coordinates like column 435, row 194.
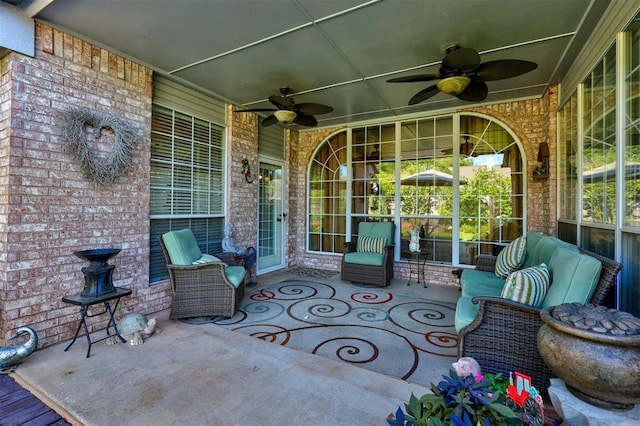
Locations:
column 463, row 76
column 287, row 111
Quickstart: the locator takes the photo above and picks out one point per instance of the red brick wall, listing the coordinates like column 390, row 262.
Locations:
column 51, row 209
column 242, row 197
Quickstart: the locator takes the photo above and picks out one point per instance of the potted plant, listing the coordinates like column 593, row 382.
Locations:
column 464, row 401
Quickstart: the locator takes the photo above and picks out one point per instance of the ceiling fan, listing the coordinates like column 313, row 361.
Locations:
column 287, row 111
column 463, row 76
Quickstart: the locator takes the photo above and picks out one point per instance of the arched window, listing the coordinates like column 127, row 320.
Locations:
column 458, row 179
column 328, row 195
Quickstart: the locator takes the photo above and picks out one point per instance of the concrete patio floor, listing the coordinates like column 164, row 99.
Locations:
column 199, row 374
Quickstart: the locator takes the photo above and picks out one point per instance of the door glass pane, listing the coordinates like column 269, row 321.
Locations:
column 270, row 217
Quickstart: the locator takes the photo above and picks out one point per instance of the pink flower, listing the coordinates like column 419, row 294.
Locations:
column 490, row 394
column 479, row 378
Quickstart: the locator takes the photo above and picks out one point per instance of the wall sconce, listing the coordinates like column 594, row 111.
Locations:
column 246, row 171
column 541, row 172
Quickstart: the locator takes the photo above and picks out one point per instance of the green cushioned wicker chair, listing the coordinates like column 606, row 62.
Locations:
column 369, row 259
column 202, row 284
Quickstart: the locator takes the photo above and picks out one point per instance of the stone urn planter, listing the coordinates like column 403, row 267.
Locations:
column 595, row 350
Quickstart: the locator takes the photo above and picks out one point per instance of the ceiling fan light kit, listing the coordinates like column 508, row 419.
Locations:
column 453, row 85
column 285, row 116
column 287, row 111
column 462, row 75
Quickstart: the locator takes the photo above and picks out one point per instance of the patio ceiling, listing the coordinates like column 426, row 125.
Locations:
column 334, row 52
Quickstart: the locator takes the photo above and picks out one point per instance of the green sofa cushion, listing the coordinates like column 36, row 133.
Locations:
column 540, row 248
column 574, row 277
column 480, row 283
column 372, row 259
column 235, row 275
column 466, row 312
column 182, row 247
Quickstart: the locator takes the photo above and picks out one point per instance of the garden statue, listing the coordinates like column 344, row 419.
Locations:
column 135, row 327
column 414, row 244
column 10, row 356
column 228, row 245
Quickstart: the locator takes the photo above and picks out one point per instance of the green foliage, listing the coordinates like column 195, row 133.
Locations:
column 487, row 194
column 459, row 401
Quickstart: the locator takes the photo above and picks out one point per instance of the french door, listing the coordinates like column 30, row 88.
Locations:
column 271, row 217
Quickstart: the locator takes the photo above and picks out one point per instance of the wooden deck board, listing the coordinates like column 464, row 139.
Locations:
column 18, row 406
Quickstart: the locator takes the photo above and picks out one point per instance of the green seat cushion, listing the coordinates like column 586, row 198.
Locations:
column 511, row 257
column 372, row 259
column 182, row 247
column 466, row 312
column 235, row 275
column 480, row 283
column 574, row 277
column 528, row 286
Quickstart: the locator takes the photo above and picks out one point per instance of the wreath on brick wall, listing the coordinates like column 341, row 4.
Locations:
column 75, row 124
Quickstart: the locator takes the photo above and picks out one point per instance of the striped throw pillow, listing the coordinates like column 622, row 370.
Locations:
column 527, row 285
column 511, row 257
column 371, row 244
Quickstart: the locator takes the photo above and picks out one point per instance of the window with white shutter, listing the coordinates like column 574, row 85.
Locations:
column 187, row 182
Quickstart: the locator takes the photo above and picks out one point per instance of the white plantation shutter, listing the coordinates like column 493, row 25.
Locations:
column 187, row 169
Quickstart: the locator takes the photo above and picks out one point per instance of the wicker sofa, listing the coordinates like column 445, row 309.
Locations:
column 502, row 336
column 202, row 285
column 370, row 265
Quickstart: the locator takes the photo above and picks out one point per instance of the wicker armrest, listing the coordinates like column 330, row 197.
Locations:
column 608, row 277
column 503, row 338
column 196, row 267
column 486, row 262
column 389, row 250
column 204, row 274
